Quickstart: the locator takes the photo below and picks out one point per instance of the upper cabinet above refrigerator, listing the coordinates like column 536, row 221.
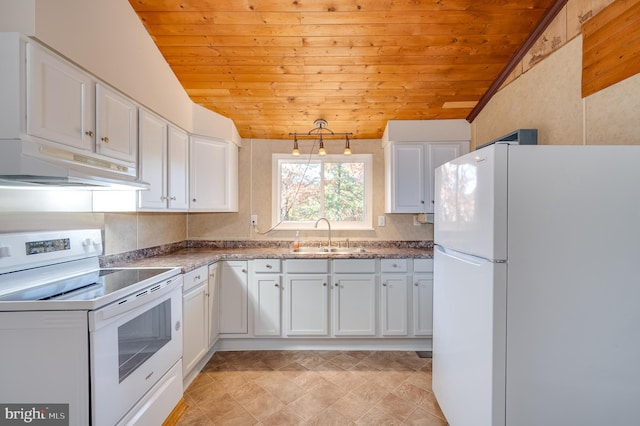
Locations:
column 413, row 149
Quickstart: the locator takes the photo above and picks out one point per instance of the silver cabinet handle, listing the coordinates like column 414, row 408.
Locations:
column 416, row 284
column 324, row 284
column 268, row 266
column 384, row 284
column 173, row 198
column 277, row 285
column 196, row 278
column 244, row 271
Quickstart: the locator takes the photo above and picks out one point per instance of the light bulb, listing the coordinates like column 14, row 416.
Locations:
column 321, row 150
column 347, row 148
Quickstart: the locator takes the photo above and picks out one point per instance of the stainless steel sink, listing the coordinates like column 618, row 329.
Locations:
column 332, row 250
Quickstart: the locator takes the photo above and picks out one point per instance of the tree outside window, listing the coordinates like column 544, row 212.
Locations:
column 336, row 187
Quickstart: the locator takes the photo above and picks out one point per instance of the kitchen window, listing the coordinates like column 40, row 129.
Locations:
column 337, row 187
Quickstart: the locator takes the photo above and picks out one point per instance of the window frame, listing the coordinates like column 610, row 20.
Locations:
column 278, row 159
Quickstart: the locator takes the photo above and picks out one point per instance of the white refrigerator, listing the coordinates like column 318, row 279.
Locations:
column 536, row 304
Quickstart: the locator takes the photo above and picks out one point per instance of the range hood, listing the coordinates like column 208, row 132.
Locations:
column 31, row 165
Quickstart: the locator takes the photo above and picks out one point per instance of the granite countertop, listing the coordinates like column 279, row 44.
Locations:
column 190, row 258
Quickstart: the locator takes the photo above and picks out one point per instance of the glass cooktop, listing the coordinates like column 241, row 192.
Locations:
column 88, row 286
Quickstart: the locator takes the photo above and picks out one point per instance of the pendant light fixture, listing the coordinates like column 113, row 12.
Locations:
column 320, row 132
column 295, row 151
column 347, row 148
column 321, row 150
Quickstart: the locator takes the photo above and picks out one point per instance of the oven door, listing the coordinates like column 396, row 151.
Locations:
column 133, row 343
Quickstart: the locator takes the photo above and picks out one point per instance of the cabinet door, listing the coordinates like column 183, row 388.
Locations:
column 233, row 297
column 354, row 307
column 307, row 305
column 405, row 178
column 439, row 153
column 213, row 176
column 214, row 310
column 423, row 304
column 266, row 309
column 394, row 305
column 153, row 160
column 117, row 124
column 178, row 169
column 195, row 338
column 60, row 101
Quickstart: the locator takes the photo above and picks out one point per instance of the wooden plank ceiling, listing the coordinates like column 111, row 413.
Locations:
column 274, row 66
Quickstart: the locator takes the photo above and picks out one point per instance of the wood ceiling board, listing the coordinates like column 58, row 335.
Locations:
column 270, row 64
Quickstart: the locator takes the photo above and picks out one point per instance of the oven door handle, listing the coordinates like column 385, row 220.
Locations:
column 145, row 296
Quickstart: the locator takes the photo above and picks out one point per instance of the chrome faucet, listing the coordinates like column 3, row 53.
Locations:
column 328, row 224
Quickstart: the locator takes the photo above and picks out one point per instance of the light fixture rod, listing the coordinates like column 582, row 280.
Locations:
column 320, row 129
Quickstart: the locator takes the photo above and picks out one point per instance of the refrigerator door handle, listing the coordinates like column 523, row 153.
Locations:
column 463, row 257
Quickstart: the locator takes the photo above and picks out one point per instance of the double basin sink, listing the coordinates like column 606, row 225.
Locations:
column 328, row 250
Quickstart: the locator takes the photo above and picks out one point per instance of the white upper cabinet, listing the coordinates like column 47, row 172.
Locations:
column 405, row 174
column 68, row 106
column 413, row 149
column 178, row 169
column 164, row 162
column 117, row 124
column 60, row 100
column 213, row 175
column 153, row 160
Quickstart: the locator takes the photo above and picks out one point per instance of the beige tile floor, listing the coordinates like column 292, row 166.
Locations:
column 313, row 388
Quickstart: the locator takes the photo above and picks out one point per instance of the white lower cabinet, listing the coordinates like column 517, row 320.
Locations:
column 195, row 318
column 266, row 292
column 214, row 302
column 358, row 298
column 394, row 297
column 423, row 297
column 307, row 306
column 354, row 310
column 233, row 282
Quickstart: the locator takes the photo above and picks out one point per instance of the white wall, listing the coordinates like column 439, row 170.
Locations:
column 106, row 38
column 18, row 16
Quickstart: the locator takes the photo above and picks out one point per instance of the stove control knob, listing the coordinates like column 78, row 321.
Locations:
column 91, row 245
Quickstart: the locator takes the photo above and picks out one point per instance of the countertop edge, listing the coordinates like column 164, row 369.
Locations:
column 189, row 259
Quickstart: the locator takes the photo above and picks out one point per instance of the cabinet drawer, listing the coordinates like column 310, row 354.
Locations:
column 422, row 265
column 266, row 265
column 195, row 277
column 307, row 266
column 394, row 265
column 354, row 266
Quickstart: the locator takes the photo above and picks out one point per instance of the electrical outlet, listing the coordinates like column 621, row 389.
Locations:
column 382, row 221
column 254, row 220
